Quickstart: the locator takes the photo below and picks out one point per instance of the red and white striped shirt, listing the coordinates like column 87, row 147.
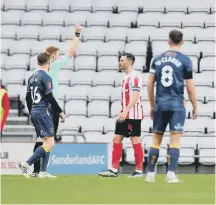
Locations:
column 132, row 82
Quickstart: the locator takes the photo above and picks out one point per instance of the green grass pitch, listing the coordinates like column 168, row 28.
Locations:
column 92, row 189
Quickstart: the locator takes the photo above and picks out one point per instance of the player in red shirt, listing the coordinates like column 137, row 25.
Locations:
column 128, row 123
column 5, row 106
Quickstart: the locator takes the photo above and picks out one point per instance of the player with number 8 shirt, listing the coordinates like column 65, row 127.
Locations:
column 170, row 71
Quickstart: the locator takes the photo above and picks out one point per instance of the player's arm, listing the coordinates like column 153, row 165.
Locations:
column 136, row 86
column 150, row 84
column 188, row 76
column 29, row 98
column 47, row 84
column 63, row 60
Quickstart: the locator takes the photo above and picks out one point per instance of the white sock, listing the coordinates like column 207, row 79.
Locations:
column 114, row 170
column 170, row 174
column 151, row 173
column 139, row 171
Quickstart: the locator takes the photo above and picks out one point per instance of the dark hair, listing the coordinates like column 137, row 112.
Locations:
column 130, row 57
column 176, row 36
column 43, row 58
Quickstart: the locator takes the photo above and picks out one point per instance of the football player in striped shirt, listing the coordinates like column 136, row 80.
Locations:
column 128, row 123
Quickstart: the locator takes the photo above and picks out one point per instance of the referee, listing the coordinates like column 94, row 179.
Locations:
column 57, row 63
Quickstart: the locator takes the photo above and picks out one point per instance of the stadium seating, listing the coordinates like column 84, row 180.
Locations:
column 90, row 83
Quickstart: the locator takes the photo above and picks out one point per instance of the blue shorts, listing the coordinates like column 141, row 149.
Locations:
column 175, row 119
column 43, row 123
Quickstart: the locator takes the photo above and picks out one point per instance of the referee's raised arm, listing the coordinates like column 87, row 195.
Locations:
column 74, row 44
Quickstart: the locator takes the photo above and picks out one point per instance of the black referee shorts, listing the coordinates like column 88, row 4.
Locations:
column 128, row 128
column 55, row 116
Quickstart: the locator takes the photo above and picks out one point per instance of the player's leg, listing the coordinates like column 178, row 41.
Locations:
column 48, row 144
column 116, row 151
column 38, row 162
column 134, row 129
column 159, row 126
column 176, row 128
column 44, row 128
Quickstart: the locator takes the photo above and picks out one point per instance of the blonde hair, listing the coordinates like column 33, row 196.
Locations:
column 51, row 50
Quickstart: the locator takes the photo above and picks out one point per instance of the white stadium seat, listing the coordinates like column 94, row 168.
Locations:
column 139, row 63
column 105, row 5
column 19, row 47
column 207, row 48
column 207, row 34
column 53, row 18
column 5, row 45
column 76, row 93
column 29, row 18
column 115, row 108
column 8, row 18
column 108, row 63
column 188, row 142
column 118, row 77
column 98, row 19
column 132, row 6
column 17, row 61
column 202, row 6
column 94, row 33
column 64, row 77
column 194, row 20
column 66, row 33
column 116, row 34
column 92, row 125
column 207, row 63
column 76, row 107
column 56, row 5
column 175, row 6
column 186, row 156
column 140, row 34
column 210, row 20
column 103, row 78
column 76, row 17
column 81, row 5
column 143, row 19
column 49, row 33
column 153, row 6
column 99, row 93
column 137, row 48
column 98, row 108
column 171, row 20
column 36, row 5
column 14, row 5
column 109, row 125
column 88, row 48
column 115, row 94
column 85, row 63
column 16, row 89
column 81, row 78
column 205, row 78
column 111, row 48
column 15, row 76
column 95, row 137
column 9, row 31
column 28, row 32
column 122, row 20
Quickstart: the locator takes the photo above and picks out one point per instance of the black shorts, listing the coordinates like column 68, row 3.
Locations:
column 55, row 117
column 128, row 128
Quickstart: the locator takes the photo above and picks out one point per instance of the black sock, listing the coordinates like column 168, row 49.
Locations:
column 37, row 163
